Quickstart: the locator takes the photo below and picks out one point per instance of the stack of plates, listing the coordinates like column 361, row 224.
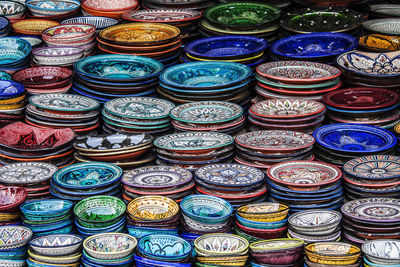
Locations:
column 137, row 115
column 217, row 116
column 48, row 216
column 254, row 19
column 244, row 49
column 396, row 130
column 63, row 110
column 44, row 80
column 105, row 77
column 372, row 176
column 100, row 214
column 81, row 180
column 198, row 5
column 315, row 225
column 287, row 114
column 373, row 106
column 23, row 142
column 14, row 244
column 153, row 215
column 33, row 176
column 296, row 79
column 16, row 52
column 124, row 150
column 202, row 214
column 364, row 220
column 172, row 182
column 381, row 253
column 237, row 184
column 192, row 150
column 269, row 215
column 261, row 149
column 202, row 81
column 112, row 8
column 311, row 185
column 11, row 198
column 338, row 143
column 154, row 40
column 12, row 102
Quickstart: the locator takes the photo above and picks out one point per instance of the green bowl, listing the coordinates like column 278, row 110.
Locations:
column 99, row 209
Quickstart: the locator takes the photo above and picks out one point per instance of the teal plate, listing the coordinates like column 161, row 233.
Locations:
column 64, row 102
column 46, row 208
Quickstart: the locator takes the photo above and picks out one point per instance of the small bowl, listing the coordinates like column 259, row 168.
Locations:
column 69, row 33
column 99, row 209
column 11, row 197
column 382, row 251
column 57, row 55
column 152, row 208
column 56, row 245
column 110, row 246
column 220, row 244
column 264, row 212
column 98, row 22
column 338, row 253
column 13, row 9
column 13, row 51
column 315, row 221
column 49, row 8
column 14, row 237
column 164, row 247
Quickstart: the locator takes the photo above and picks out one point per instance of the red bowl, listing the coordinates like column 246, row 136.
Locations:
column 264, row 234
column 43, row 77
column 11, row 197
column 279, row 256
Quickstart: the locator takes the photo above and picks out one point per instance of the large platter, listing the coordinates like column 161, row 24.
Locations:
column 374, row 167
column 26, row 172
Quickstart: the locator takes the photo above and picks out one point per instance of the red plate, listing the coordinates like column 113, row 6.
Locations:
column 289, row 92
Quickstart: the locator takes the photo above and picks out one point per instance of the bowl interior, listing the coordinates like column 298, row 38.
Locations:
column 12, row 235
column 46, row 206
column 41, row 75
column 164, row 246
column 207, row 208
column 262, row 208
column 99, row 209
column 11, row 195
column 221, row 243
column 386, row 249
column 338, row 249
column 153, row 208
column 111, row 243
column 56, row 241
column 276, row 244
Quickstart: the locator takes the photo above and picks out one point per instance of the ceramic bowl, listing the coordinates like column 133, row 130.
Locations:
column 260, row 225
column 110, row 5
column 14, row 51
column 98, row 22
column 275, row 245
column 49, row 8
column 12, row 9
column 12, row 263
column 69, row 259
column 110, row 246
column 14, row 237
column 264, row 212
column 338, row 253
column 57, row 55
column 32, row 26
column 56, row 245
column 38, row 77
column 99, row 209
column 152, row 208
column 68, row 33
column 11, row 197
column 170, row 16
column 382, row 251
column 281, row 251
column 315, row 221
column 46, row 208
column 206, row 209
column 221, row 244
column 164, row 247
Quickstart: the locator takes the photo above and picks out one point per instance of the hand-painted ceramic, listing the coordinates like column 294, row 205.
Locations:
column 49, row 8
column 221, row 244
column 380, row 43
column 99, row 209
column 12, row 9
column 57, row 55
column 110, row 246
column 11, row 197
column 10, row 89
column 152, row 208
column 110, row 5
column 99, row 22
column 281, row 252
column 373, row 167
column 384, row 251
column 315, row 220
column 87, row 175
column 56, row 244
column 275, row 245
column 26, row 172
column 333, row 253
column 162, row 15
column 14, row 237
column 64, row 102
column 68, row 33
column 38, row 77
column 385, row 10
column 14, row 51
column 46, row 207
column 206, row 112
column 385, row 26
column 354, row 138
column 166, row 247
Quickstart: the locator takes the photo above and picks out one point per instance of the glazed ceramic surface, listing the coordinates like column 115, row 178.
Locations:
column 98, row 22
column 43, row 8
column 26, row 172
column 373, row 167
column 56, row 244
column 386, row 9
column 338, row 249
column 380, row 42
column 64, row 102
column 162, row 15
column 46, row 207
column 315, row 219
column 205, row 208
column 275, row 244
column 153, row 208
column 384, row 251
column 110, row 5
column 69, row 32
column 385, row 26
column 14, row 50
column 373, row 209
column 99, row 209
column 109, row 246
column 218, row 244
column 13, row 237
column 12, row 9
column 286, row 108
column 164, row 246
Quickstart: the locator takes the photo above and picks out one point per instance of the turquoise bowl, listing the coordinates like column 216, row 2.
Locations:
column 46, row 208
column 164, row 247
column 64, row 230
column 13, row 255
column 261, row 225
column 140, row 232
column 49, row 226
column 206, row 209
column 13, row 51
column 4, row 76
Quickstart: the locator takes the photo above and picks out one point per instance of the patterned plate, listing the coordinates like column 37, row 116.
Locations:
column 383, row 210
column 139, row 107
column 10, row 89
column 385, row 26
column 26, row 173
column 304, row 173
column 206, row 112
column 64, row 102
column 156, row 177
column 229, row 175
column 162, row 15
column 374, row 167
column 316, row 218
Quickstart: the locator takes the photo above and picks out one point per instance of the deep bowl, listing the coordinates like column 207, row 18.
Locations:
column 264, row 212
column 13, row 50
column 56, row 244
column 11, row 197
column 99, row 209
column 164, row 247
column 382, row 251
column 152, row 208
column 110, row 246
column 333, row 253
column 47, row 8
column 283, row 251
column 221, row 244
column 14, row 237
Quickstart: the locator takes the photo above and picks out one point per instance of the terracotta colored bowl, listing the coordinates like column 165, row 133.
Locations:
column 11, row 197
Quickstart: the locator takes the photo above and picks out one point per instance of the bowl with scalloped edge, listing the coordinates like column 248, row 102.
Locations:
column 56, row 244
column 109, row 246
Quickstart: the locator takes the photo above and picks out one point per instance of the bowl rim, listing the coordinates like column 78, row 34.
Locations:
column 367, row 254
column 300, row 243
column 127, row 15
column 198, row 239
column 299, row 213
column 132, row 6
column 91, row 31
column 36, row 51
column 22, row 40
column 30, row 6
column 115, row 199
column 147, row 237
column 285, row 209
column 50, row 235
column 14, row 204
column 15, row 2
column 69, row 206
column 307, row 250
column 91, row 18
column 211, row 219
column 19, row 242
column 88, row 239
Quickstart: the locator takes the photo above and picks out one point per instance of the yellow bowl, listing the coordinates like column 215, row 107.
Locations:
column 152, row 208
column 264, row 212
column 336, row 253
column 33, row 26
column 57, row 260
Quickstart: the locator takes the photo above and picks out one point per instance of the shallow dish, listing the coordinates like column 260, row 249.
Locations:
column 275, row 245
column 46, row 208
column 66, row 259
column 169, row 16
column 165, row 247
column 64, row 102
column 375, row 167
column 385, row 26
column 332, row 253
column 12, row 9
column 99, row 209
column 219, row 244
column 152, row 208
column 14, row 237
column 57, row 55
column 110, row 6
column 68, row 33
column 40, row 76
column 98, row 22
column 11, row 197
column 315, row 220
column 50, row 8
column 56, row 244
column 110, row 246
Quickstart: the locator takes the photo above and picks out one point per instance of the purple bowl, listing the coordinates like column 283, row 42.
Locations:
column 279, row 257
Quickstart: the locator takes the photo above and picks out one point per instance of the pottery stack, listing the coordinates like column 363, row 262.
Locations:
column 12, row 102
column 287, row 114
column 48, row 216
column 112, row 9
column 16, row 53
column 332, row 254
column 153, row 215
column 262, row 149
column 372, row 176
column 380, row 253
column 100, row 214
column 13, row 248
column 168, row 181
column 296, row 79
column 11, row 199
column 216, row 116
column 238, row 184
column 52, row 11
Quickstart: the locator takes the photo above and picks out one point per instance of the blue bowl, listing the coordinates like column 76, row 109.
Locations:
column 116, row 84
column 89, row 263
column 19, row 255
column 362, row 111
column 34, row 264
column 10, row 89
column 40, row 228
column 64, row 230
column 13, row 51
column 147, row 261
column 318, row 191
column 139, row 232
column 4, row 24
column 35, row 41
column 109, row 95
column 97, row 21
column 314, row 45
column 54, row 9
column 371, row 264
column 46, row 208
column 87, row 192
column 164, row 247
column 260, row 225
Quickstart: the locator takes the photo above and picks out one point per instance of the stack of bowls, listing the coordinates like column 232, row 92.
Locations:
column 310, row 182
column 277, row 252
column 56, row 56
column 112, row 9
column 202, row 81
column 12, row 102
column 163, row 250
column 262, row 149
column 52, row 10
column 241, row 18
column 287, row 114
column 108, row 249
column 13, row 245
column 15, row 52
column 23, row 142
column 48, row 216
column 124, row 150
column 372, row 106
column 169, row 181
column 55, row 249
column 338, row 143
column 248, row 50
column 78, row 181
column 332, row 254
column 216, row 116
column 221, row 249
column 202, row 214
column 63, row 110
column 11, row 198
column 153, row 40
column 137, row 115
column 364, row 220
column 296, row 79
column 153, row 215
column 372, row 176
column 105, row 77
column 238, row 184
column 33, row 176
column 381, row 253
column 44, row 80
column 97, row 21
column 5, row 27
column 198, row 5
column 192, row 150
column 315, row 225
column 100, row 214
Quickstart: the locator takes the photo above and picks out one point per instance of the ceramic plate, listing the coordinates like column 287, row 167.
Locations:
column 315, row 218
column 385, row 26
column 64, row 102
column 110, row 5
column 162, row 15
column 10, row 89
column 386, row 10
column 26, row 172
column 374, row 167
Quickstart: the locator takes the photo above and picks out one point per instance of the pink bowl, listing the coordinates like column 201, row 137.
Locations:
column 11, row 197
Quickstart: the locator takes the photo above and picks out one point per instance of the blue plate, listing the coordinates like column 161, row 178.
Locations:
column 207, row 91
column 87, row 193
column 10, row 89
column 4, row 24
column 13, row 51
column 305, row 196
column 314, row 45
column 205, row 75
column 362, row 111
column 354, row 138
column 229, row 46
column 97, row 21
